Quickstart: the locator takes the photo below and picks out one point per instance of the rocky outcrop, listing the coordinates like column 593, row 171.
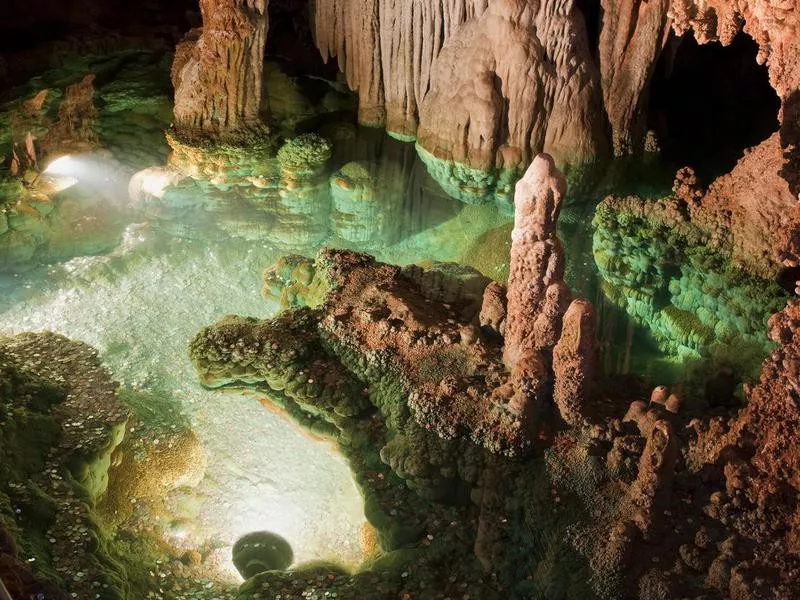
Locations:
column 575, row 362
column 762, row 449
column 632, row 36
column 754, row 207
column 386, row 50
column 217, row 73
column 516, row 81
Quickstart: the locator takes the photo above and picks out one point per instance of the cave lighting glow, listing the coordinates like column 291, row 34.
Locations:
column 59, row 183
column 64, row 166
column 140, row 307
column 155, row 184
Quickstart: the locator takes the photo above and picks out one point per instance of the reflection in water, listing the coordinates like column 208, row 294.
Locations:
column 197, row 254
column 694, row 303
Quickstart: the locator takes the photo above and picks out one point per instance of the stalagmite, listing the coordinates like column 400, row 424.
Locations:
column 217, row 72
column 574, row 361
column 537, row 294
column 650, row 493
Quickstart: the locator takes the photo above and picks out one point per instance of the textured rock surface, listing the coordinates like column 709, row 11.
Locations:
column 575, row 361
column 754, row 207
column 768, row 429
column 386, row 49
column 537, row 294
column 677, row 278
column 775, row 26
column 77, row 116
column 482, row 114
column 632, row 35
column 217, row 73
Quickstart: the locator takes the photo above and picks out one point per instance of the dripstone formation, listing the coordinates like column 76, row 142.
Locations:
column 218, row 71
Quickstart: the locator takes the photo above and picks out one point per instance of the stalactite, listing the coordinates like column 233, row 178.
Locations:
column 386, row 49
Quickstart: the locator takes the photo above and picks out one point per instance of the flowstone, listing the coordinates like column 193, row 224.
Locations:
column 657, row 265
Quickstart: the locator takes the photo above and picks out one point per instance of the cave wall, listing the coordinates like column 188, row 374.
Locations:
column 386, row 50
column 218, row 71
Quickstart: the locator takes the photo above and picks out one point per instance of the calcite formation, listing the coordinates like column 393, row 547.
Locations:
column 218, row 72
column 575, row 362
column 537, row 294
column 632, row 35
column 422, row 326
column 386, row 49
column 676, row 272
column 480, row 115
column 775, row 26
column 72, row 452
column 75, row 129
column 57, row 447
column 753, row 207
column 760, row 451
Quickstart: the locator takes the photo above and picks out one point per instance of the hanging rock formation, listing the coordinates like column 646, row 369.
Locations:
column 386, row 49
column 632, row 36
column 516, row 81
column 217, row 71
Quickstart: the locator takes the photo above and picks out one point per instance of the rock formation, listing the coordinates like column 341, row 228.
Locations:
column 775, row 26
column 575, row 362
column 650, row 493
column 217, row 72
column 77, row 116
column 632, row 36
column 480, row 114
column 537, row 294
column 753, row 207
column 762, row 448
column 386, row 49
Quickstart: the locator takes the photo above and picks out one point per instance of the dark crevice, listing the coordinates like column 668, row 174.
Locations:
column 708, row 103
column 591, row 11
column 290, row 41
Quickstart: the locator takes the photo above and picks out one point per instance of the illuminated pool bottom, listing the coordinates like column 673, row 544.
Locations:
column 139, row 308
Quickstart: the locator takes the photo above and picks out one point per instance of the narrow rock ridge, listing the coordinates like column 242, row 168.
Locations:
column 386, row 49
column 218, row 71
column 516, row 81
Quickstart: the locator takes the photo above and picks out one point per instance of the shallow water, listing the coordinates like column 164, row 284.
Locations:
column 141, row 304
column 177, row 269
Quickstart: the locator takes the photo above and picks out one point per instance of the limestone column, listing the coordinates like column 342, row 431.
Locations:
column 218, row 71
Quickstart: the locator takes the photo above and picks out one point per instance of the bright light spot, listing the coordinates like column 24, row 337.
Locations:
column 59, row 184
column 154, row 184
column 64, row 166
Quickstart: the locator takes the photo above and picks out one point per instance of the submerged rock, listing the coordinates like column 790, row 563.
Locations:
column 357, row 214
